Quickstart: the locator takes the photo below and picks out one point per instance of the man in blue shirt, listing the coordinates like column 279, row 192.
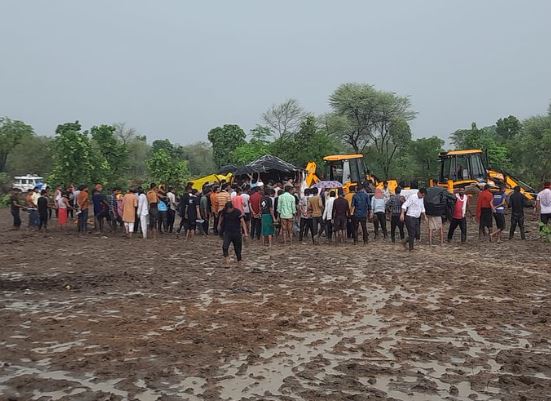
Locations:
column 361, row 205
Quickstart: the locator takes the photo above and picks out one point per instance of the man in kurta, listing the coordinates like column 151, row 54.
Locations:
column 129, row 205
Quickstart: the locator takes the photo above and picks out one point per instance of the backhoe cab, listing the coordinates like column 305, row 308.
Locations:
column 461, row 168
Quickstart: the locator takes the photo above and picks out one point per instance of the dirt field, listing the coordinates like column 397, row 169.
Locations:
column 107, row 318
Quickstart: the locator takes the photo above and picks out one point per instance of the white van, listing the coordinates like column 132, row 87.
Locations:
column 29, row 181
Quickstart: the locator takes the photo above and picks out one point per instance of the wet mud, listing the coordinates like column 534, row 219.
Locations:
column 107, row 318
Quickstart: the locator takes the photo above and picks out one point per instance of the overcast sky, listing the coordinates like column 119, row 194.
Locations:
column 175, row 69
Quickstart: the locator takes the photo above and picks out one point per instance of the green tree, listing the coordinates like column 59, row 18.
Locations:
column 31, row 155
column 486, row 139
column 423, row 153
column 284, row 119
column 138, row 151
column 12, row 133
column 199, row 157
column 310, row 143
column 367, row 117
column 224, row 141
column 111, row 149
column 164, row 169
column 507, row 128
column 258, row 145
column 532, row 150
column 75, row 161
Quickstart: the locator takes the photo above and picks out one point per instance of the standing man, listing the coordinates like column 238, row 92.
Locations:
column 484, row 212
column 341, row 211
column 328, row 215
column 516, row 203
column 361, row 206
column 286, row 207
column 315, row 210
column 394, row 205
column 143, row 211
column 499, row 203
column 172, row 205
column 412, row 209
column 152, row 200
column 193, row 213
column 256, row 213
column 214, row 207
column 204, row 208
column 543, row 203
column 129, row 205
column 83, row 203
column 42, row 206
column 15, row 209
column 458, row 215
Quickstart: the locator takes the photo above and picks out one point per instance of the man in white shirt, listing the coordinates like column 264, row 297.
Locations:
column 327, row 216
column 171, row 216
column 543, row 203
column 412, row 209
column 143, row 211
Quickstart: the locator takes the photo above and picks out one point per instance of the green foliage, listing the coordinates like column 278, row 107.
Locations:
column 31, row 155
column 258, row 145
column 545, row 232
column 420, row 160
column 310, row 143
column 486, row 139
column 199, row 157
column 508, row 128
column 533, row 149
column 109, row 148
column 164, row 169
column 373, row 120
column 12, row 132
column 138, row 150
column 224, row 141
column 74, row 159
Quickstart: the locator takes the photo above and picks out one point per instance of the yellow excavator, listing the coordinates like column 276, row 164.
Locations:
column 461, row 168
column 348, row 169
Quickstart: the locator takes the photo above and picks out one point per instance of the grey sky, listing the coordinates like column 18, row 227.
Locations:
column 175, row 69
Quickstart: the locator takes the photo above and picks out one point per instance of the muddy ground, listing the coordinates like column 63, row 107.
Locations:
column 107, row 318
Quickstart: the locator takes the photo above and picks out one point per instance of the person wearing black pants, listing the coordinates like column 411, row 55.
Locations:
column 380, row 219
column 517, row 204
column 412, row 209
column 462, row 224
column 233, row 227
column 256, row 227
column 396, row 223
column 458, row 215
column 42, row 205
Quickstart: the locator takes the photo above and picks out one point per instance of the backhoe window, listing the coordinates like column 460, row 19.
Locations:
column 477, row 168
column 355, row 170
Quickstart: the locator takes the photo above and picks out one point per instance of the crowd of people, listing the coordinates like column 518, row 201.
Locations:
column 281, row 210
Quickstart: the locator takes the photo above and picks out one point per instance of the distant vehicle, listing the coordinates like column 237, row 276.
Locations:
column 29, row 181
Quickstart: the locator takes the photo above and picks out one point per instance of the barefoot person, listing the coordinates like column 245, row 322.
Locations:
column 63, row 207
column 484, row 212
column 231, row 224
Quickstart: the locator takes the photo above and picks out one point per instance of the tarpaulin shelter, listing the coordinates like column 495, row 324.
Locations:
column 269, row 168
column 228, row 168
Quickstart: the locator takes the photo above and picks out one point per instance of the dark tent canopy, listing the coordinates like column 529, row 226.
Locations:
column 228, row 168
column 267, row 164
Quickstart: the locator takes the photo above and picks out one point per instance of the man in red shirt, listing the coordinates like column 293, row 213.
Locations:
column 256, row 213
column 458, row 216
column 484, row 211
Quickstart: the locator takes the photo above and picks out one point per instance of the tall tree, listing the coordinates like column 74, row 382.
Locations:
column 257, row 146
column 111, row 148
column 284, row 118
column 75, row 161
column 12, row 133
column 224, row 141
column 163, row 168
column 355, row 113
column 31, row 155
column 507, row 128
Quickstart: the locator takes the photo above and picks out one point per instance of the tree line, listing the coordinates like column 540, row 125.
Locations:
column 362, row 119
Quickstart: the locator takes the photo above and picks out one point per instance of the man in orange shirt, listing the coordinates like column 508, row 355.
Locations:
column 152, row 200
column 83, row 203
column 214, row 207
column 484, row 211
